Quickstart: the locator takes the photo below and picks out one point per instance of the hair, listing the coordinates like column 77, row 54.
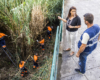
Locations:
column 69, row 14
column 89, row 17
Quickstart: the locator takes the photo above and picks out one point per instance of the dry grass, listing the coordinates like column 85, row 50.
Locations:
column 38, row 21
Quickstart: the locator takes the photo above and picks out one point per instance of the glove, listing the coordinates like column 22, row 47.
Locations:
column 37, row 40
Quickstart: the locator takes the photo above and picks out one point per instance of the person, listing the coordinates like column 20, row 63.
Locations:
column 35, row 61
column 2, row 40
column 23, row 68
column 42, row 43
column 49, row 31
column 88, row 41
column 73, row 23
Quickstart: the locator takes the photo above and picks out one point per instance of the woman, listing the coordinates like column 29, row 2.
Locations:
column 73, row 23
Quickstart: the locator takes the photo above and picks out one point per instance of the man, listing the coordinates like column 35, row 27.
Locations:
column 88, row 41
column 49, row 31
column 23, row 68
column 35, row 61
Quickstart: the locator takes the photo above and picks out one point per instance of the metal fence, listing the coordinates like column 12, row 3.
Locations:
column 56, row 48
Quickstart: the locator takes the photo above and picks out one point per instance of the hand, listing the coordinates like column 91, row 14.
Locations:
column 59, row 17
column 37, row 40
column 70, row 26
column 77, row 55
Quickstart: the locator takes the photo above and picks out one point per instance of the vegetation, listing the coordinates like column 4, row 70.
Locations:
column 25, row 20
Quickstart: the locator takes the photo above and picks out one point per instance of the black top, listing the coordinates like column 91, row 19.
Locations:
column 75, row 22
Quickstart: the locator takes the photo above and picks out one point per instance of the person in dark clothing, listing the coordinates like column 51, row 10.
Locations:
column 35, row 61
column 23, row 68
column 73, row 23
column 49, row 31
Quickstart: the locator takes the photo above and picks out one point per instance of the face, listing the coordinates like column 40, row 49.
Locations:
column 73, row 12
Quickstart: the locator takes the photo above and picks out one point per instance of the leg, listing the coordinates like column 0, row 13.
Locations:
column 25, row 69
column 83, row 58
column 3, row 44
column 42, row 47
column 22, row 72
column 34, row 64
column 73, row 42
column 49, row 34
column 68, row 39
column 79, row 62
column 37, row 65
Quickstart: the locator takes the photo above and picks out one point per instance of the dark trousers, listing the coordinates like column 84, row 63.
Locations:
column 49, row 33
column 82, row 61
column 23, row 71
column 2, row 42
column 42, row 46
column 35, row 64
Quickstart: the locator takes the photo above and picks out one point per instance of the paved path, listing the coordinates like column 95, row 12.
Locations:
column 93, row 61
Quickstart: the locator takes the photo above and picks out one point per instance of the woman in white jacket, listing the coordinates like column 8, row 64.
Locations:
column 73, row 22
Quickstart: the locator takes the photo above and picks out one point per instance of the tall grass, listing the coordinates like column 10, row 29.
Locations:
column 26, row 19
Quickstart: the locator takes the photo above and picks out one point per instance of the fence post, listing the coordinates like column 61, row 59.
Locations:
column 61, row 22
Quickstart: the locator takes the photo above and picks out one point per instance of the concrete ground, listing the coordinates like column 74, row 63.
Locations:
column 69, row 63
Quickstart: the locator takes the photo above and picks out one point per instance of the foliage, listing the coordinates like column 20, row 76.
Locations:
column 26, row 19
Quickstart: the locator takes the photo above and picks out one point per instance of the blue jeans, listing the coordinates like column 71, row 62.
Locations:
column 82, row 61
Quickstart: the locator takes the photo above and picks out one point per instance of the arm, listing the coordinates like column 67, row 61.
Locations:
column 82, row 48
column 75, row 26
column 84, row 43
column 64, row 20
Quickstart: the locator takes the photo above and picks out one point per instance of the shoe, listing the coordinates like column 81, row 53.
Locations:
column 78, row 70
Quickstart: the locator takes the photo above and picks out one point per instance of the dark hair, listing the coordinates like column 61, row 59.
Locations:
column 69, row 14
column 89, row 17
